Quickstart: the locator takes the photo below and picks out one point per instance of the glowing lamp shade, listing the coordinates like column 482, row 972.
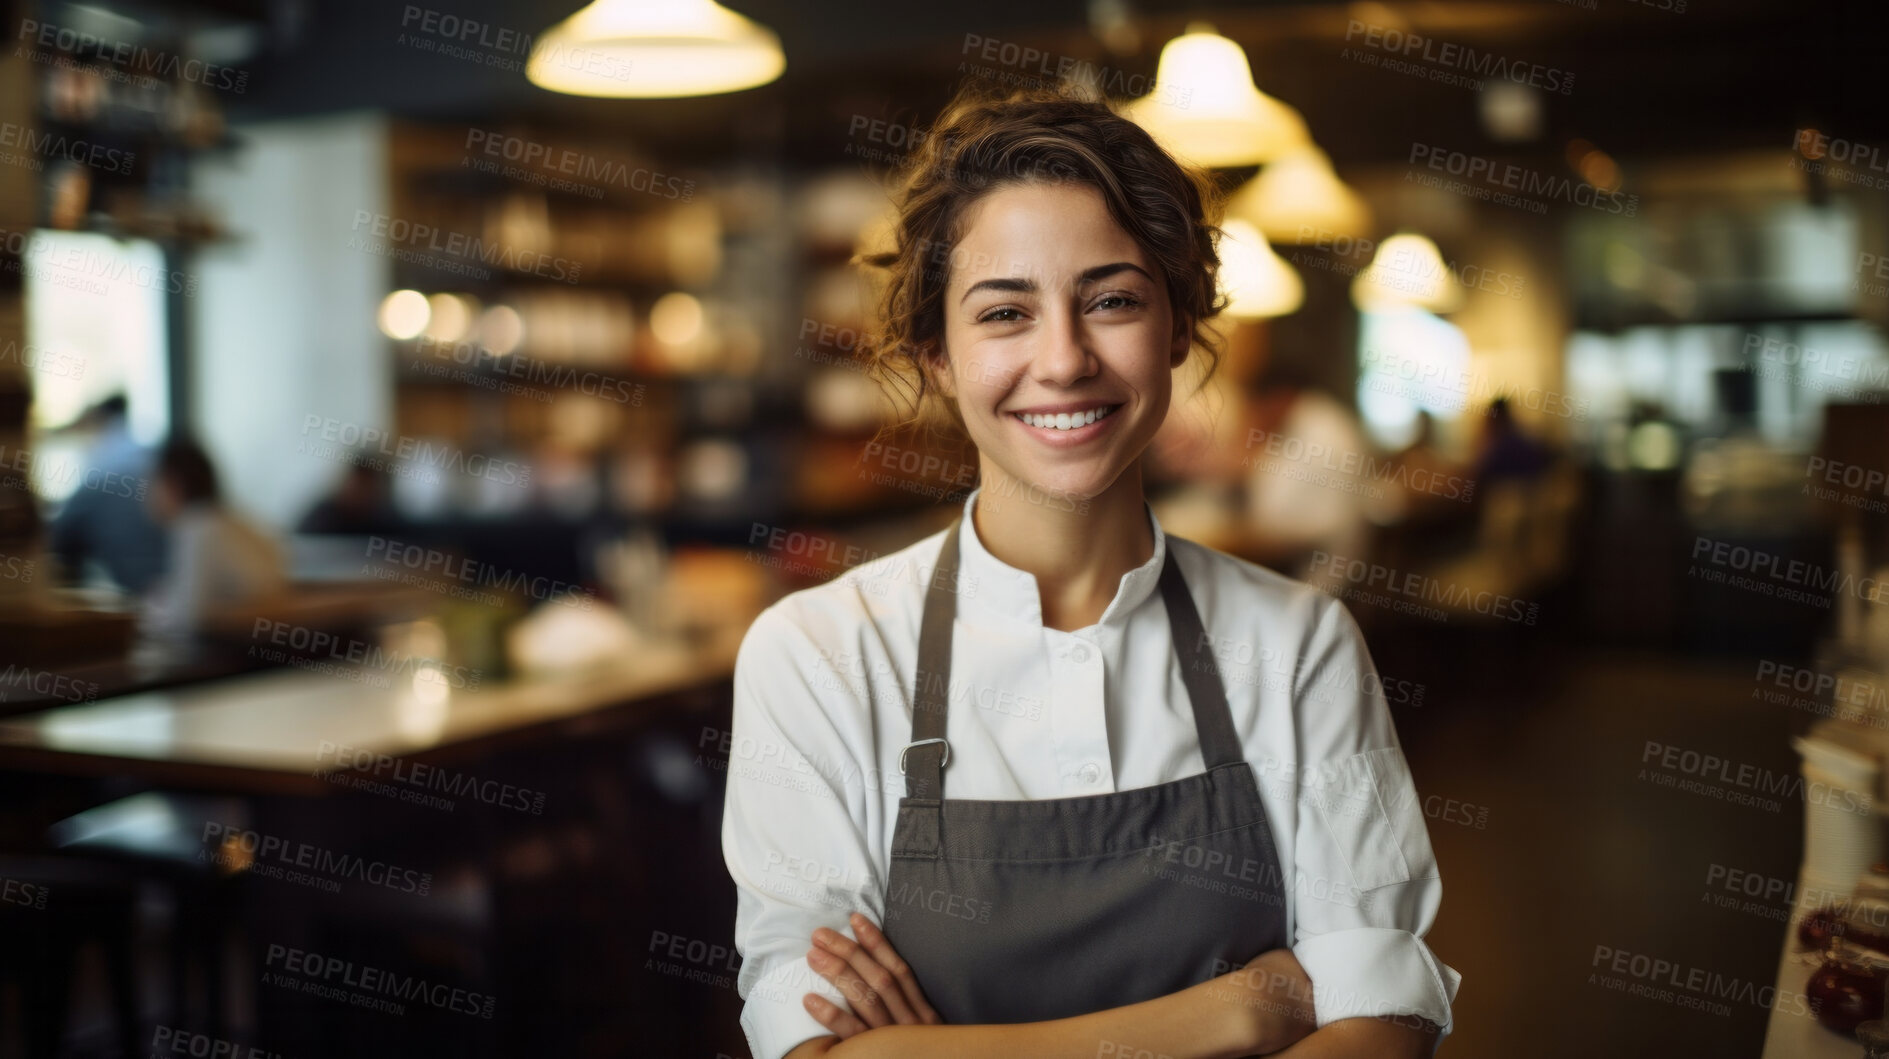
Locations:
column 1407, row 272
column 1297, row 198
column 1205, row 109
column 655, row 49
column 1258, row 283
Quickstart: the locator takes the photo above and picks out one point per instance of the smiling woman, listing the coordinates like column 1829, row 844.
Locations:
column 1150, row 863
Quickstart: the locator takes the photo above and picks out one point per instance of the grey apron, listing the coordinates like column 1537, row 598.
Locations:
column 1025, row 910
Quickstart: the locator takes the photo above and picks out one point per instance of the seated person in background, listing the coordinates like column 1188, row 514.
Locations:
column 1309, row 491
column 1506, row 451
column 104, row 523
column 361, row 504
column 218, row 562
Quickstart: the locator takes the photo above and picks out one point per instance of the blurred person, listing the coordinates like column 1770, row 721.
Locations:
column 218, row 561
column 1505, row 451
column 1310, row 491
column 360, row 505
column 104, row 525
column 1014, row 865
column 1434, row 488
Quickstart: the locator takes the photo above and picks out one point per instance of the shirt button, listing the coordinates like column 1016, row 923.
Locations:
column 1091, row 773
column 1080, row 653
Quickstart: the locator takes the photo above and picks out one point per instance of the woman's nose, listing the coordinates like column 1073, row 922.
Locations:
column 1062, row 355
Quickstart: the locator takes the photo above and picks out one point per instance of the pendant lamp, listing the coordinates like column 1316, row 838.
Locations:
column 1297, row 198
column 1257, row 282
column 655, row 49
column 1206, row 110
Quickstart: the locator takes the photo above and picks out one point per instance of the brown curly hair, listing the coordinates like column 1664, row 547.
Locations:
column 986, row 139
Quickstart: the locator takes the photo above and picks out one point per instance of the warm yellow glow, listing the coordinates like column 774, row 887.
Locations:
column 676, row 319
column 501, row 330
column 1205, row 108
column 1298, row 199
column 451, row 317
column 1257, row 282
column 655, row 49
column 1599, row 169
column 404, row 314
column 1407, row 271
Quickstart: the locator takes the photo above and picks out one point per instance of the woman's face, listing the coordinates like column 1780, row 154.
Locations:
column 1054, row 318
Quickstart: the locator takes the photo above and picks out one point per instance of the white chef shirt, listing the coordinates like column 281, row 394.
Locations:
column 822, row 708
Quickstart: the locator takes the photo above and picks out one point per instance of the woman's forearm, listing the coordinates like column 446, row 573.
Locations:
column 1405, row 1037
column 1198, row 1022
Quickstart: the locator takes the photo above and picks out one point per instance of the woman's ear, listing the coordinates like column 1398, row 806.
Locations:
column 1183, row 341
column 936, row 365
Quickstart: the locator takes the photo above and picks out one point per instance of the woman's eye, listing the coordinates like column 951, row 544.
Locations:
column 996, row 316
column 1120, row 301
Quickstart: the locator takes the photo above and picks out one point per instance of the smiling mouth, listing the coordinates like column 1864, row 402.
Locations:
column 1066, row 420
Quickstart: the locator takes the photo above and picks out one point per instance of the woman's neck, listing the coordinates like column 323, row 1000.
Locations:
column 1078, row 549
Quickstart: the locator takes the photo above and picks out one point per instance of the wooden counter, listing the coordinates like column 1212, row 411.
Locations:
column 282, row 730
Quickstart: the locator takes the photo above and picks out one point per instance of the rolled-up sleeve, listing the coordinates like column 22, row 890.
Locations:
column 1367, row 888
column 794, row 824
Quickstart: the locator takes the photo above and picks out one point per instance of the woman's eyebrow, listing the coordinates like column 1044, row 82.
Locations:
column 1020, row 285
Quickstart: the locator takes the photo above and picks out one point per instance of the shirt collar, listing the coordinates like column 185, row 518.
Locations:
column 994, row 587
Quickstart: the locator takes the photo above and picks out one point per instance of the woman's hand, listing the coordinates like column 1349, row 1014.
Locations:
column 1271, row 998
column 875, row 981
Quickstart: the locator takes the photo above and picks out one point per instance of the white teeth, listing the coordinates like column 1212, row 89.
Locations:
column 1066, row 420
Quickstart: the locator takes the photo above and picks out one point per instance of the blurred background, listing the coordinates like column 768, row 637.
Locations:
column 404, row 409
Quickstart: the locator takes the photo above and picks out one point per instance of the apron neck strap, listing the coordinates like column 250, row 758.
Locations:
column 924, row 758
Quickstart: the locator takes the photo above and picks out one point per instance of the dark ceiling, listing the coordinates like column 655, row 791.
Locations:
column 1648, row 79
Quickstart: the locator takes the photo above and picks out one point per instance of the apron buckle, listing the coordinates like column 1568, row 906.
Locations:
column 922, row 742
